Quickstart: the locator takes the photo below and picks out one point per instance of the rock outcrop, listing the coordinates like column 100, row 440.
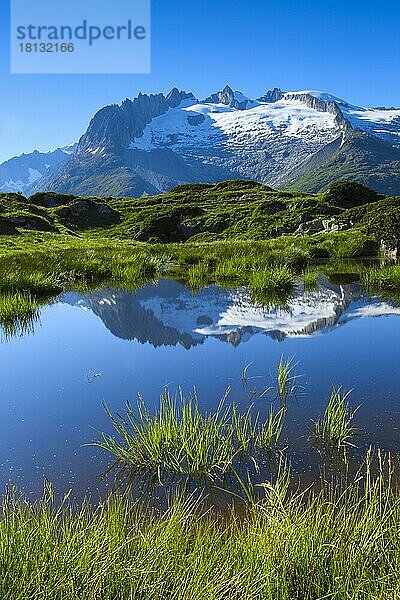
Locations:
column 114, row 127
column 323, row 106
column 273, row 95
column 84, row 212
column 229, row 98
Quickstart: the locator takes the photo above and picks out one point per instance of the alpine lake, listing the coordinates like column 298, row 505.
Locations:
column 84, row 351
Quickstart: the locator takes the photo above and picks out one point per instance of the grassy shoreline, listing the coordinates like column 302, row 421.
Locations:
column 65, row 264
column 341, row 542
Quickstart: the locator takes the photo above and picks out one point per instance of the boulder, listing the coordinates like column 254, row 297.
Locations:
column 31, row 222
column 161, row 229
column 310, row 227
column 319, row 226
column 6, row 227
column 331, row 225
column 390, row 248
column 217, row 225
column 278, row 231
column 168, row 228
column 190, row 228
column 86, row 213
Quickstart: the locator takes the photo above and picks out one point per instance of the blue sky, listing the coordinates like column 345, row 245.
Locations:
column 349, row 48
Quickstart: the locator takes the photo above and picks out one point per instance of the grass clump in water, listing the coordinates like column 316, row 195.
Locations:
column 278, row 279
column 384, row 278
column 35, row 282
column 140, row 269
column 230, row 269
column 269, row 433
column 198, row 275
column 178, row 441
column 334, row 429
column 287, row 381
column 18, row 313
column 49, row 273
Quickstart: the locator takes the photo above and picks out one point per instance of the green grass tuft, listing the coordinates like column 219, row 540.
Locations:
column 279, row 279
column 384, row 278
column 18, row 313
column 178, row 441
column 335, row 429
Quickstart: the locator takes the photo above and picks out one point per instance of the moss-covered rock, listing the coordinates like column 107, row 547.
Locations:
column 85, row 213
column 31, row 222
column 348, row 194
column 6, row 227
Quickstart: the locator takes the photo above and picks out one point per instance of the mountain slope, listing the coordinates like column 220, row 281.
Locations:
column 362, row 158
column 346, row 220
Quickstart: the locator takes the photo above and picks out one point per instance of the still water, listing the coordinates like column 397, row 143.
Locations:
column 108, row 345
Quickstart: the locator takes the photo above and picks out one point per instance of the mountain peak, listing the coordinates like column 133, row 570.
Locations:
column 229, row 98
column 175, row 97
column 227, row 90
column 272, row 96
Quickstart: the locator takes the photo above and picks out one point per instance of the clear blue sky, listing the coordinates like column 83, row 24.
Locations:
column 350, row 48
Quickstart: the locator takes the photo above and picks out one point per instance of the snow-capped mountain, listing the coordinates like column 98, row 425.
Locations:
column 301, row 138
column 21, row 172
column 168, row 313
column 381, row 122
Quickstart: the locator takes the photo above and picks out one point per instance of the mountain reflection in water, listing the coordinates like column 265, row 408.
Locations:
column 168, row 313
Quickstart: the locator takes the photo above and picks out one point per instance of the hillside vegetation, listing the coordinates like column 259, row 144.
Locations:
column 346, row 213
